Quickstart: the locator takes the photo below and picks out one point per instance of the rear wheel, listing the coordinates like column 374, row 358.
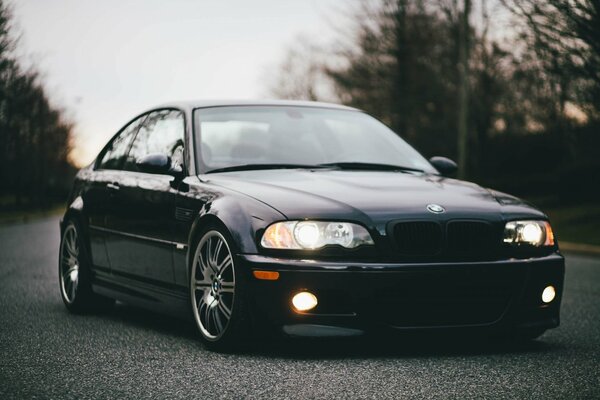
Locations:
column 217, row 292
column 74, row 274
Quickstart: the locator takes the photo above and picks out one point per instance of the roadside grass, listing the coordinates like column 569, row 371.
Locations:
column 575, row 223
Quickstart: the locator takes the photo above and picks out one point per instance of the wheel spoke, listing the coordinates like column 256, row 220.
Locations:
column 67, row 275
column 71, row 260
column 216, row 252
column 202, row 284
column 75, row 248
column 200, row 266
column 206, row 266
column 66, row 263
column 73, row 243
column 224, row 309
column 207, row 312
column 224, row 264
column 227, row 288
column 202, row 308
column 203, row 268
column 69, row 236
column 209, row 251
column 217, row 319
column 202, row 304
column 70, row 247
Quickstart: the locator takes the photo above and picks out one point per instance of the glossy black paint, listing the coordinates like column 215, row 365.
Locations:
column 142, row 226
column 444, row 165
column 157, row 163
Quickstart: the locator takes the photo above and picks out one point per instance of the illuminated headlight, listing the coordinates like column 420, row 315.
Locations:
column 298, row 235
column 533, row 233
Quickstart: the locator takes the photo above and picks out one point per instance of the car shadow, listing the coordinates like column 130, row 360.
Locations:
column 399, row 345
column 151, row 321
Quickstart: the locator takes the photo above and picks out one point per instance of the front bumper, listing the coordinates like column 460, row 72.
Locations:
column 358, row 297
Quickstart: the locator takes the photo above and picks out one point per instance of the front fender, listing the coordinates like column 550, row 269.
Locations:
column 74, row 211
column 243, row 217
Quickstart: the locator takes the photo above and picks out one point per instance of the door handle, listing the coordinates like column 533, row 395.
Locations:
column 112, row 186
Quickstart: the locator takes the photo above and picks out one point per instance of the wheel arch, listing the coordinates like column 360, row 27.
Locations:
column 241, row 220
column 75, row 211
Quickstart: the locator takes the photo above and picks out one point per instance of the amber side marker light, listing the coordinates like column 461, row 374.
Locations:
column 266, row 275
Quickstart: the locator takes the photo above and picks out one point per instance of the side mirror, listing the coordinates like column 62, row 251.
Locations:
column 444, row 165
column 157, row 164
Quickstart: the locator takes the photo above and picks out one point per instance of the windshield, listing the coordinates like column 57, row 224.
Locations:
column 306, row 136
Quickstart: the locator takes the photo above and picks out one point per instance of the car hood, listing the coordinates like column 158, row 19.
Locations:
column 369, row 196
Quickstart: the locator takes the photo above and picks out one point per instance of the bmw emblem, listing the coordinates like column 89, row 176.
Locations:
column 435, row 208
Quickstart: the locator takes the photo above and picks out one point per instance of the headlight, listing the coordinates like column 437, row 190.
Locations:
column 534, row 233
column 312, row 235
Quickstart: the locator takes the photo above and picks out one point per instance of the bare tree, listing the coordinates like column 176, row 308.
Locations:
column 300, row 74
column 463, row 89
column 565, row 35
column 467, row 90
column 34, row 135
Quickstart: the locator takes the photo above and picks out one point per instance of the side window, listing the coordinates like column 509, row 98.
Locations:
column 162, row 132
column 115, row 155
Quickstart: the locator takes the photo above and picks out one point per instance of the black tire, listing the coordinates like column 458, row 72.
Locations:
column 210, row 292
column 74, row 274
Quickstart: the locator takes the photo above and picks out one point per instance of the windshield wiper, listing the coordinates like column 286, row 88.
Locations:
column 369, row 166
column 341, row 165
column 249, row 167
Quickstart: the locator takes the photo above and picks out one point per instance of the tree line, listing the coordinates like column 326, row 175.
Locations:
column 35, row 137
column 522, row 77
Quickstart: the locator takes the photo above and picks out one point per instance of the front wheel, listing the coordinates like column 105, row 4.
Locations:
column 217, row 292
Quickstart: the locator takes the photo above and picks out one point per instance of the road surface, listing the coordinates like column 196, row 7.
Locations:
column 130, row 353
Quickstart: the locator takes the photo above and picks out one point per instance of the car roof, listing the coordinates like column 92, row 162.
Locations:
column 190, row 105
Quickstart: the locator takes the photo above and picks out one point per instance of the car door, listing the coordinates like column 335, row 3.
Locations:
column 99, row 194
column 141, row 223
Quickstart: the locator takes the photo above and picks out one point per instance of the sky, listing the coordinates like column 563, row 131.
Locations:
column 105, row 61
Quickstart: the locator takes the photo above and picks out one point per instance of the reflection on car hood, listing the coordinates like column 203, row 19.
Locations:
column 369, row 196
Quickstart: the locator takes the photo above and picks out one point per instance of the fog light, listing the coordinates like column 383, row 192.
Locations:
column 548, row 294
column 304, row 301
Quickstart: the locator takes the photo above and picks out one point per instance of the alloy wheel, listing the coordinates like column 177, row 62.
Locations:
column 213, row 285
column 69, row 264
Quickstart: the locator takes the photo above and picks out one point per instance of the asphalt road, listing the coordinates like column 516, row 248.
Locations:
column 130, row 353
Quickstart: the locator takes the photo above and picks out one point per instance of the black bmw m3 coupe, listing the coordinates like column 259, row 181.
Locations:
column 303, row 218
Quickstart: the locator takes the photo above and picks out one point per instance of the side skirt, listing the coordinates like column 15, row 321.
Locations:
column 173, row 301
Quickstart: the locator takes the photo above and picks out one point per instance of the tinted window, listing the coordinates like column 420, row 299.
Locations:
column 114, row 157
column 162, row 132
